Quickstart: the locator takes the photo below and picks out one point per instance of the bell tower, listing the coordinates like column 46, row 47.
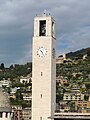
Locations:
column 44, row 68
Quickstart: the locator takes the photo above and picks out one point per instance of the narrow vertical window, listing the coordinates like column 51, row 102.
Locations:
column 41, row 73
column 1, row 114
column 40, row 118
column 42, row 28
column 6, row 114
column 41, row 95
column 53, row 29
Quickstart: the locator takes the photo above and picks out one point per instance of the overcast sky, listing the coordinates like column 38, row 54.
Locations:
column 16, row 27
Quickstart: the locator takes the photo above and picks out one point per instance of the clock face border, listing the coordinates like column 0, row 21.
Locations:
column 42, row 52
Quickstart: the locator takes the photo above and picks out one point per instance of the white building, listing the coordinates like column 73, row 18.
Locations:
column 5, row 83
column 61, row 59
column 27, row 96
column 44, row 68
column 25, row 80
column 73, row 96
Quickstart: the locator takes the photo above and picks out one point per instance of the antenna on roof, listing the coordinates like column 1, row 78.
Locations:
column 45, row 11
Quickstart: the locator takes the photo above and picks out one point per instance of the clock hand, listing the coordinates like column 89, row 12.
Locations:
column 41, row 51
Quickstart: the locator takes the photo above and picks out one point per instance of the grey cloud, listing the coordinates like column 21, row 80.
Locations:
column 16, row 26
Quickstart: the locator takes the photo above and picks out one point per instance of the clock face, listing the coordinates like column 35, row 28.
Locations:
column 41, row 52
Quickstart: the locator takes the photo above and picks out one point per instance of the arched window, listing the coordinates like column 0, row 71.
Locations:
column 1, row 114
column 6, row 114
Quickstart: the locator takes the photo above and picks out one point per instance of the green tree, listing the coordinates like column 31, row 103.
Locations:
column 86, row 97
column 2, row 66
